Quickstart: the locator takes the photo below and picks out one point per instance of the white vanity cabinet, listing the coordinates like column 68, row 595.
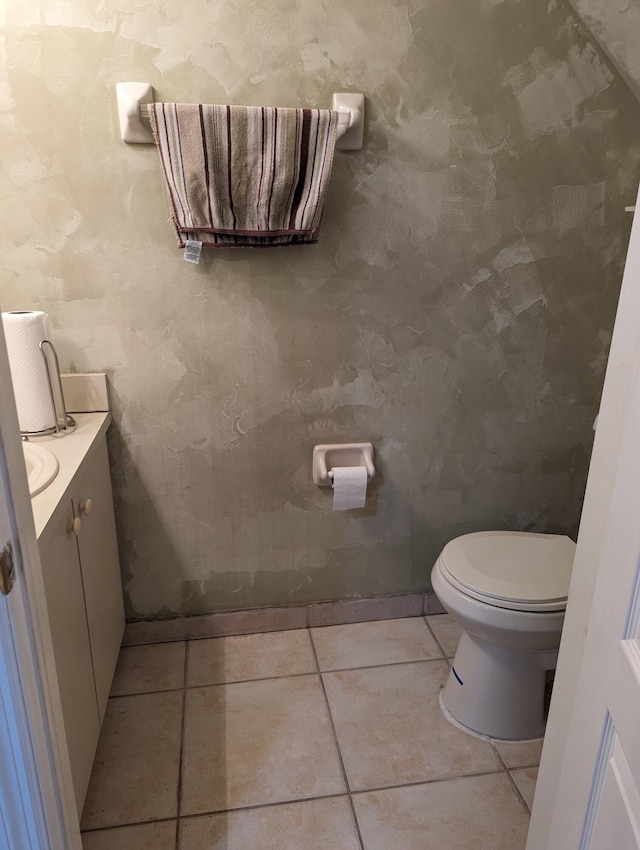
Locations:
column 71, row 649
column 100, row 568
column 84, row 599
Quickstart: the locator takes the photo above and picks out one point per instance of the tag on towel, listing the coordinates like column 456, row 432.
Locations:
column 192, row 251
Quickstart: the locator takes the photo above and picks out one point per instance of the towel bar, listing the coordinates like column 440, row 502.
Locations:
column 133, row 111
column 344, row 118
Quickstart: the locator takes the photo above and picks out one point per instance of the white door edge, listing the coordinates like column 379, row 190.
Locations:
column 38, row 811
column 580, row 739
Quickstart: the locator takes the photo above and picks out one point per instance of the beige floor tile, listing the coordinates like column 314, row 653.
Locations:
column 515, row 754
column 391, row 729
column 147, row 836
column 155, row 667
column 460, row 814
column 252, row 743
column 135, row 773
column 244, row 657
column 447, row 632
column 310, row 825
column 525, row 779
column 369, row 644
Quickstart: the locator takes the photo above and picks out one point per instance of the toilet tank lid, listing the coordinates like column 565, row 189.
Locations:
column 517, row 566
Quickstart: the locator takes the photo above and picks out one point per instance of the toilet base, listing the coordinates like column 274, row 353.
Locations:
column 497, row 692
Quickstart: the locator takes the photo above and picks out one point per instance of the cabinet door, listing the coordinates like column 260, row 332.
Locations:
column 100, row 565
column 72, row 651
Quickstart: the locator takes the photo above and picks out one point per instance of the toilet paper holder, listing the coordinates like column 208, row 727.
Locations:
column 326, row 457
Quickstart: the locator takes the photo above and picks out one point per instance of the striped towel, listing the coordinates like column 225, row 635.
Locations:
column 245, row 176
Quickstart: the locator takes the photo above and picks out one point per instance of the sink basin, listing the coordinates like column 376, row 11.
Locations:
column 42, row 467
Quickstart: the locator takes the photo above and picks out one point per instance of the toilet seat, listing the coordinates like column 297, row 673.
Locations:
column 520, row 571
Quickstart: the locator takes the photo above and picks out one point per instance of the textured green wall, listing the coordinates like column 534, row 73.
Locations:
column 456, row 312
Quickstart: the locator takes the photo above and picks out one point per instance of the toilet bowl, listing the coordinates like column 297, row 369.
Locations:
column 508, row 591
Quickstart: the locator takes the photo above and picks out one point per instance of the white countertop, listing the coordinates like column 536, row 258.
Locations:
column 73, row 451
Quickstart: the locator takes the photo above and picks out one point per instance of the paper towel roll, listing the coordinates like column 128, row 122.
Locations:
column 23, row 333
column 349, row 487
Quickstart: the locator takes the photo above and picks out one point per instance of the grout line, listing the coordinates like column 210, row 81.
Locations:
column 389, row 664
column 522, row 766
column 259, row 806
column 494, row 742
column 273, row 805
column 497, row 752
column 338, row 796
column 510, row 778
column 416, row 782
column 217, row 684
column 185, row 671
column 181, row 754
column 335, row 796
column 517, row 791
column 145, row 693
column 301, row 628
column 144, row 641
column 123, row 825
column 248, row 681
column 438, row 644
column 313, row 651
column 198, row 638
column 283, row 676
column 345, row 778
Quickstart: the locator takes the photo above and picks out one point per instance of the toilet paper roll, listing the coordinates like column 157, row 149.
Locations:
column 24, row 332
column 349, row 487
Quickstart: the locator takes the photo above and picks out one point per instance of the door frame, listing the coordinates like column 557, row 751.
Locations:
column 38, row 806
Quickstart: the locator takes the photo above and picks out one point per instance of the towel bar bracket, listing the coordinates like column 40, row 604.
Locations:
column 351, row 136
column 133, row 112
column 132, row 99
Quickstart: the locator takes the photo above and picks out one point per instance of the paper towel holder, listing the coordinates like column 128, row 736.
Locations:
column 64, row 422
column 326, row 457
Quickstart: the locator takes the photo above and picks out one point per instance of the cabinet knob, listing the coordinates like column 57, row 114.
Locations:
column 86, row 506
column 74, row 526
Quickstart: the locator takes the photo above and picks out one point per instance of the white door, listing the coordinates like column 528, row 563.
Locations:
column 36, row 806
column 588, row 795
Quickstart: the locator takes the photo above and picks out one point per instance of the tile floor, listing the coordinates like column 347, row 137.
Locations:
column 326, row 738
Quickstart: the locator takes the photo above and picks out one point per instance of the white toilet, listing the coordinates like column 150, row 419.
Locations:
column 508, row 590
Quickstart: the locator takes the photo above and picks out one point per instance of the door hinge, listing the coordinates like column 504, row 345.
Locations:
column 7, row 570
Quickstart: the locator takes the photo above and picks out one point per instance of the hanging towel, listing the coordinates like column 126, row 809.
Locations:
column 245, row 176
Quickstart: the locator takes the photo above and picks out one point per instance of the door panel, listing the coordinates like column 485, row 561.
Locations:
column 616, row 823
column 588, row 795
